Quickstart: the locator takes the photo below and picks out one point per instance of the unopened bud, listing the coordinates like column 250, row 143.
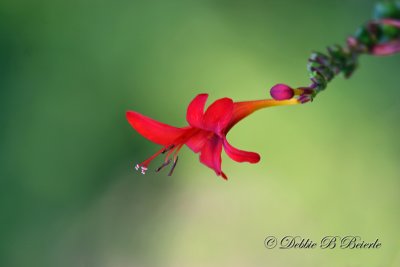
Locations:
column 281, row 92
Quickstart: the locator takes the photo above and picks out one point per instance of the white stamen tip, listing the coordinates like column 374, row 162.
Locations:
column 144, row 168
column 137, row 167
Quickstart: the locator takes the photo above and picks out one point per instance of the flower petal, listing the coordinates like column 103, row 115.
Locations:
column 210, row 155
column 243, row 109
column 218, row 115
column 195, row 110
column 197, row 140
column 157, row 132
column 240, row 155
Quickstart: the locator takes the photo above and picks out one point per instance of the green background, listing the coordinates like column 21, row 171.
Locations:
column 69, row 70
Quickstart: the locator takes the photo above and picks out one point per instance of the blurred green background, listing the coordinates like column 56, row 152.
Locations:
column 69, row 196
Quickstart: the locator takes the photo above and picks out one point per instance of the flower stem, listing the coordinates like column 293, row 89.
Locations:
column 379, row 36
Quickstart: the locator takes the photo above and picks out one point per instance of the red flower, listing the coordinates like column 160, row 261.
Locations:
column 206, row 132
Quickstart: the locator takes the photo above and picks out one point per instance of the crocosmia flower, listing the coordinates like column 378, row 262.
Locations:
column 206, row 133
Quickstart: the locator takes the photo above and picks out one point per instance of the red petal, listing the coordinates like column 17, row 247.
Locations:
column 218, row 115
column 197, row 141
column 240, row 155
column 195, row 110
column 157, row 132
column 210, row 155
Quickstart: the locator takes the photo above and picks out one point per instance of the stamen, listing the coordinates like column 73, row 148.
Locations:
column 168, row 149
column 173, row 166
column 169, row 154
column 175, row 159
column 147, row 161
column 177, row 151
column 166, row 163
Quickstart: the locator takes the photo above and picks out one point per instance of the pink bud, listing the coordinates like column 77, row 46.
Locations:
column 281, row 91
column 386, row 48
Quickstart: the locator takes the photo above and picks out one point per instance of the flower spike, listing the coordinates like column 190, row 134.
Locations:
column 207, row 128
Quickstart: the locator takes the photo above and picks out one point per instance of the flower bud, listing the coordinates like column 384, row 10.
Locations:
column 281, row 92
column 387, row 9
column 364, row 36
